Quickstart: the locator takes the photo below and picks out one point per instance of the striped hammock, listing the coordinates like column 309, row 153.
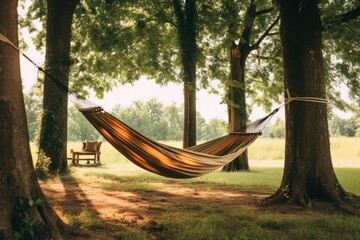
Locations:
column 166, row 160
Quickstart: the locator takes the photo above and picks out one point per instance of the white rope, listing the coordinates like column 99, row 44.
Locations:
column 290, row 99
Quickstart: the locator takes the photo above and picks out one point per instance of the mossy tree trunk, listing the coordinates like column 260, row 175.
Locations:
column 53, row 133
column 308, row 172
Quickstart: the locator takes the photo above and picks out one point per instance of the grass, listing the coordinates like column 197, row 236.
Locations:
column 85, row 219
column 244, row 224
column 218, row 221
column 342, row 148
column 199, row 220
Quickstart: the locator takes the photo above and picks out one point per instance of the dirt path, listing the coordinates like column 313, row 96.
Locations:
column 123, row 209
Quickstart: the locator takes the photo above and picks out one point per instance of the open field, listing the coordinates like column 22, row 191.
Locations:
column 120, row 201
column 263, row 152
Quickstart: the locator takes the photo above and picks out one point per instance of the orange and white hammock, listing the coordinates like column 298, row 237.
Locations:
column 166, row 160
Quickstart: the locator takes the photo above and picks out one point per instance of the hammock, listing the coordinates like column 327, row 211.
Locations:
column 166, row 160
column 159, row 158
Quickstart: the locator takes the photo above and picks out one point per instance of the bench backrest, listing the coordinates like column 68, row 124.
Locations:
column 91, row 146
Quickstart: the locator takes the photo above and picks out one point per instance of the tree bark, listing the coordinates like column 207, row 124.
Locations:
column 237, row 100
column 237, row 105
column 53, row 134
column 308, row 172
column 186, row 15
column 17, row 175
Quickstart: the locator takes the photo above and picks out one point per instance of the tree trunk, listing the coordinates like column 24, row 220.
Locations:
column 53, row 134
column 237, row 105
column 237, row 89
column 189, row 135
column 186, row 15
column 17, row 175
column 308, row 172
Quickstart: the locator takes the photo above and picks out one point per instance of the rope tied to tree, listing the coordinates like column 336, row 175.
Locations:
column 290, row 99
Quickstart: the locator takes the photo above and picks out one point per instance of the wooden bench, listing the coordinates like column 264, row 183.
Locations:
column 90, row 152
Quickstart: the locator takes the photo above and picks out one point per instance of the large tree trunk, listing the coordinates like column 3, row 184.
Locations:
column 53, row 134
column 308, row 172
column 17, row 176
column 186, row 16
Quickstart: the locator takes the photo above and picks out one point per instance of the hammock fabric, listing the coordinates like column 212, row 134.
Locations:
column 156, row 157
column 166, row 160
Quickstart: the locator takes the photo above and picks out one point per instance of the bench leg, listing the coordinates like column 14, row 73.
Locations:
column 73, row 159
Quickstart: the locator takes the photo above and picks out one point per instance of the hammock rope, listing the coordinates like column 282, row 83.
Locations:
column 159, row 158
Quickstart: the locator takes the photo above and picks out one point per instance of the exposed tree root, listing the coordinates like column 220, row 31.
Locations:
column 348, row 203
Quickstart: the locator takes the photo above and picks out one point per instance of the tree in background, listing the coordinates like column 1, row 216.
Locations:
column 79, row 128
column 53, row 132
column 275, row 130
column 174, row 117
column 25, row 213
column 186, row 23
column 343, row 127
column 33, row 107
column 308, row 172
column 240, row 50
column 163, row 123
column 357, row 134
column 214, row 129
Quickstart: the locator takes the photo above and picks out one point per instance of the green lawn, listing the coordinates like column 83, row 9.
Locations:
column 211, row 218
column 199, row 218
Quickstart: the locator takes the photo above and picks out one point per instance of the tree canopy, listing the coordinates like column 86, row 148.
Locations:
column 118, row 41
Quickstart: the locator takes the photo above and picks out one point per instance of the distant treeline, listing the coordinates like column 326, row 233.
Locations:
column 152, row 118
column 338, row 127
column 165, row 123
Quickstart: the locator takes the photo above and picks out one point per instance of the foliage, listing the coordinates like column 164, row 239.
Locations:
column 33, row 107
column 42, row 165
column 24, row 226
column 263, row 73
column 120, row 41
column 275, row 130
column 341, row 51
column 337, row 127
column 163, row 123
column 109, row 49
column 79, row 128
column 214, row 129
column 343, row 127
column 151, row 118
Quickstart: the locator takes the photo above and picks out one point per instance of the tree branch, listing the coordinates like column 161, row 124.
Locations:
column 264, row 11
column 264, row 35
column 343, row 18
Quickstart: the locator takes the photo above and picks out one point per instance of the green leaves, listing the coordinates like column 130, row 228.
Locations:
column 24, row 226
